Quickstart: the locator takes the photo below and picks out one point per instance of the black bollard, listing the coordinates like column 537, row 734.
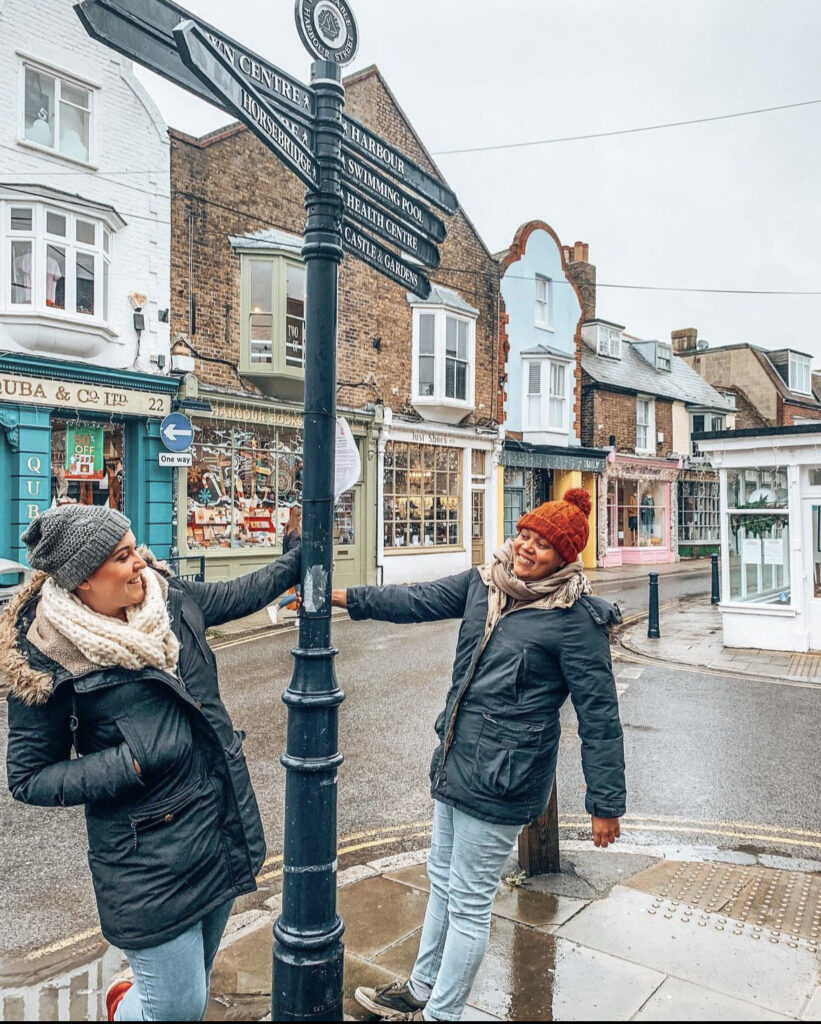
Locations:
column 653, row 630
column 715, row 596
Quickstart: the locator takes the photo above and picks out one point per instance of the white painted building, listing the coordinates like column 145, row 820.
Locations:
column 770, row 535
column 84, row 197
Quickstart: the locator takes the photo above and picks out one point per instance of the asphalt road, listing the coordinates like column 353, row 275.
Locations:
column 711, row 761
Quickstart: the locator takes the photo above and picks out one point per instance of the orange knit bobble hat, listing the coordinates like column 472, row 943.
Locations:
column 563, row 524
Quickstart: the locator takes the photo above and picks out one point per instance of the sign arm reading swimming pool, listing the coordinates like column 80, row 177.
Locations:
column 368, row 199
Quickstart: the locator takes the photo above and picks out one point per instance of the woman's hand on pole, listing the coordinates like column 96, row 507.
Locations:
column 605, row 830
column 339, row 598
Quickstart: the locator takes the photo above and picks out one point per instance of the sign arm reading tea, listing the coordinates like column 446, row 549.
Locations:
column 213, row 67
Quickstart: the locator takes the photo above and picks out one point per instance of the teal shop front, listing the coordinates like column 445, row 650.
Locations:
column 70, row 432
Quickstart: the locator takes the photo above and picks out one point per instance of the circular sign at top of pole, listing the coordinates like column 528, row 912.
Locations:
column 328, row 29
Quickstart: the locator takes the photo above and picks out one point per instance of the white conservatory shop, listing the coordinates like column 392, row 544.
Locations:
column 770, row 535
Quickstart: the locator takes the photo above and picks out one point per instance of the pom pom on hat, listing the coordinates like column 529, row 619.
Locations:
column 579, row 497
column 563, row 524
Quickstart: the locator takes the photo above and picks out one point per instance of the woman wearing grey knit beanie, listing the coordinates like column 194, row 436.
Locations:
column 105, row 652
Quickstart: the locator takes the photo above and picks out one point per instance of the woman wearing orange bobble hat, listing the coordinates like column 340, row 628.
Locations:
column 531, row 634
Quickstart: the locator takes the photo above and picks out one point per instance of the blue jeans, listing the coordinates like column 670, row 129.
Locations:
column 465, row 867
column 172, row 980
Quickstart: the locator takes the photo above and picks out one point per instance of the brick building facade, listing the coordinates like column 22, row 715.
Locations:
column 426, row 423
column 640, row 401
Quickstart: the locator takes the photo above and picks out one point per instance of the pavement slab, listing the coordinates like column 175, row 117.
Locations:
column 378, row 912
column 681, row 1000
column 730, row 961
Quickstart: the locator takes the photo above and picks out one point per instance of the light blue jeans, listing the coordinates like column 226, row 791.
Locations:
column 172, row 980
column 465, row 867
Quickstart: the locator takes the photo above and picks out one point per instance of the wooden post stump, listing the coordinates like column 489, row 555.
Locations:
column 539, row 841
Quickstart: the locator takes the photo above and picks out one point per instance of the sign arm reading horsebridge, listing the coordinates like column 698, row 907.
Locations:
column 358, row 186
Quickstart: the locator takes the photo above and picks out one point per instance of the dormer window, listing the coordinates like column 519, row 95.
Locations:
column 800, row 376
column 664, row 357
column 609, row 341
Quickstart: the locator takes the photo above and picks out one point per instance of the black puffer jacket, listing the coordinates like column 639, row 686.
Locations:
column 499, row 731
column 167, row 848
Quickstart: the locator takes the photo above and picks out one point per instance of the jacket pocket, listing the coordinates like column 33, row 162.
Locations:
column 507, row 757
column 246, row 801
column 135, row 744
column 164, row 812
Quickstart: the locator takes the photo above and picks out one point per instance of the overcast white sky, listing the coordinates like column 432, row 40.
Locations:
column 732, row 204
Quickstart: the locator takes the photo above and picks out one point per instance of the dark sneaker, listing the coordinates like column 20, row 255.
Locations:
column 391, row 1002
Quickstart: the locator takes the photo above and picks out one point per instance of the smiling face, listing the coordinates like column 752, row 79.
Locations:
column 117, row 584
column 533, row 557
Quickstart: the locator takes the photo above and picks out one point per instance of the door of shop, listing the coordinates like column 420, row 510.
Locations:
column 477, row 521
column 812, row 531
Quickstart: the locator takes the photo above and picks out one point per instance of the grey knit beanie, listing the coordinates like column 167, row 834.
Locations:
column 72, row 541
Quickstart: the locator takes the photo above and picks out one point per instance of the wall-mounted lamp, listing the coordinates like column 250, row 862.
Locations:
column 377, row 344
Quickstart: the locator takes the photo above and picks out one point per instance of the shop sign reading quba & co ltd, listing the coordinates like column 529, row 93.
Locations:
column 61, row 394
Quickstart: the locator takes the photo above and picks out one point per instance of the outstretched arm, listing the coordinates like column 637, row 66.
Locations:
column 224, row 602
column 420, row 602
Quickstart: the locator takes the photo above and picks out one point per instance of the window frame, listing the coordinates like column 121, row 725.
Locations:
column 547, row 397
column 544, row 324
column 798, row 360
column 649, row 426
column 59, row 76
column 428, row 467
column 40, row 239
column 441, row 314
column 664, row 355
column 279, row 365
column 608, row 341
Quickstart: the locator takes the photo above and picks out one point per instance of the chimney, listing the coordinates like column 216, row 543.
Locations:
column 685, row 340
column 582, row 272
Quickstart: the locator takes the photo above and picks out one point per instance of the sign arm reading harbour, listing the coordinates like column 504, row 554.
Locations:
column 209, row 62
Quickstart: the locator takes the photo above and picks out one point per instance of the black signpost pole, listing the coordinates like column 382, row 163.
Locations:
column 308, row 952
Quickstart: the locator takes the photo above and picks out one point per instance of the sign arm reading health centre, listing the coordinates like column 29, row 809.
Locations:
column 357, row 186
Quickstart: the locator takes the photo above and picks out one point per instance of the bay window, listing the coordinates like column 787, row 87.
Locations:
column 55, row 261
column 273, row 315
column 443, row 367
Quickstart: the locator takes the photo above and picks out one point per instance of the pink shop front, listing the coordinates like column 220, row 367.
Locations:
column 638, row 511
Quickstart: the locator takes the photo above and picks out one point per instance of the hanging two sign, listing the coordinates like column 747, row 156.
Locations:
column 383, row 190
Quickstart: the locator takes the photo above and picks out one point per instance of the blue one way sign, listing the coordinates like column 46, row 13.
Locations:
column 177, row 432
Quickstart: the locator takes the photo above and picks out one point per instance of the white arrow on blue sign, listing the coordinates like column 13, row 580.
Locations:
column 177, row 432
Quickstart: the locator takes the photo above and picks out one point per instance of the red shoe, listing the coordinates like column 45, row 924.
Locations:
column 114, row 996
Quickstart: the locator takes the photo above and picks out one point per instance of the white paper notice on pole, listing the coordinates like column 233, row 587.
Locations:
column 348, row 465
column 773, row 552
column 751, row 550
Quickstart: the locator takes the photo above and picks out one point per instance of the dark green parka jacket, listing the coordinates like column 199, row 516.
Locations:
column 171, row 845
column 499, row 731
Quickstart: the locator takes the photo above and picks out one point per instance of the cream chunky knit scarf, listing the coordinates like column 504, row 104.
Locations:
column 144, row 640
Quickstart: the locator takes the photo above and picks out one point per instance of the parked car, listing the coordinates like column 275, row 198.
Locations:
column 13, row 577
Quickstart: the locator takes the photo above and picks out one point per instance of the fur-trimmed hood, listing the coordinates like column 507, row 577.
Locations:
column 28, row 672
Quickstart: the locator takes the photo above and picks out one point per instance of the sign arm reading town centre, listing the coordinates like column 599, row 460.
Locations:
column 358, row 186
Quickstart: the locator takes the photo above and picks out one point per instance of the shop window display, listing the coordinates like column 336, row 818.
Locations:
column 698, row 511
column 637, row 513
column 87, row 464
column 423, row 495
column 243, row 484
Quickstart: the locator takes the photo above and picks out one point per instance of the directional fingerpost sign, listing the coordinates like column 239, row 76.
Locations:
column 177, row 432
column 367, row 199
